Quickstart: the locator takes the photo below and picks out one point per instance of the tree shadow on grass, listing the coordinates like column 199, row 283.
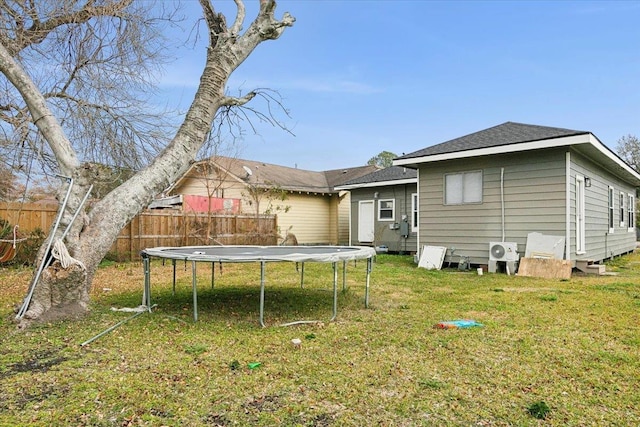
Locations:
column 243, row 303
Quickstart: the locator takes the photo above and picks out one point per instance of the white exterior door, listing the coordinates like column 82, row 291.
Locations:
column 580, row 213
column 366, row 221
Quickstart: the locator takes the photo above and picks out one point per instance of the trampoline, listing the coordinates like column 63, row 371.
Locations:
column 262, row 255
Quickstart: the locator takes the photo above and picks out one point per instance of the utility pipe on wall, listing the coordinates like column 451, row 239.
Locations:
column 502, row 200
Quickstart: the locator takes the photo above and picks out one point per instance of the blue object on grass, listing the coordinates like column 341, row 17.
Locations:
column 453, row 324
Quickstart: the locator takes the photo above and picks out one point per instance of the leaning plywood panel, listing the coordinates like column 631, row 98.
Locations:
column 545, row 268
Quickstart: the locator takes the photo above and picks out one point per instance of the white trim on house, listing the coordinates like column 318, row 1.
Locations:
column 611, row 209
column 392, row 209
column 415, row 212
column 581, row 230
column 377, row 184
column 631, row 213
column 621, row 211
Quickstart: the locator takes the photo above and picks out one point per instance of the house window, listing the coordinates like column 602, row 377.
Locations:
column 414, row 212
column 386, row 210
column 621, row 198
column 461, row 188
column 610, row 210
column 631, row 212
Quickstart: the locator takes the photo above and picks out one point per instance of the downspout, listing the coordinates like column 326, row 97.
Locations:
column 567, row 237
column 502, row 201
column 406, row 212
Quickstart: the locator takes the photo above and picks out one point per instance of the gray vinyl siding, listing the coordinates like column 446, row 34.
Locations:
column 383, row 234
column 534, row 201
column 600, row 244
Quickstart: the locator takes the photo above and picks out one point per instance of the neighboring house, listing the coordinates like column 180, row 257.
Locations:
column 306, row 202
column 384, row 209
column 502, row 183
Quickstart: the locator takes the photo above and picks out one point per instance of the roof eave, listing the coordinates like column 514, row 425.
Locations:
column 581, row 139
column 378, row 184
column 499, row 149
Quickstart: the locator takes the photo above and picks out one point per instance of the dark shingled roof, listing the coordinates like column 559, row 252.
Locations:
column 393, row 173
column 504, row 134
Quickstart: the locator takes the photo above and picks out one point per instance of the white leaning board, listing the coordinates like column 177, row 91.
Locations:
column 432, row 257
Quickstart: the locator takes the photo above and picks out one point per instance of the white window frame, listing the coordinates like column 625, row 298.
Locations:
column 631, row 213
column 393, row 209
column 477, row 198
column 621, row 208
column 610, row 209
column 414, row 212
column 581, row 241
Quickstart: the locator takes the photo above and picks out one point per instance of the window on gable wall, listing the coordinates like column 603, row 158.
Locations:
column 414, row 212
column 386, row 210
column 610, row 210
column 461, row 188
column 621, row 198
column 631, row 213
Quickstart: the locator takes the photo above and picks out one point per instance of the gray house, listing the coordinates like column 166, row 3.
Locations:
column 384, row 209
column 502, row 183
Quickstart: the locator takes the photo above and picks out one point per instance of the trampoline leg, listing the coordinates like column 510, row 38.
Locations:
column 344, row 276
column 213, row 273
column 262, row 265
column 366, row 288
column 173, row 262
column 302, row 276
column 146, row 296
column 194, row 283
column 335, row 292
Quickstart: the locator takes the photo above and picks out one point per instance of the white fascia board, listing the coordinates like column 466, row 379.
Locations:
column 377, row 184
column 500, row 149
column 612, row 156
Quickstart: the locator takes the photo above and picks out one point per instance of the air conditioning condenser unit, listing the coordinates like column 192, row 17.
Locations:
column 503, row 251
column 506, row 252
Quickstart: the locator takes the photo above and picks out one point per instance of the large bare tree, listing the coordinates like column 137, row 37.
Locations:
column 75, row 74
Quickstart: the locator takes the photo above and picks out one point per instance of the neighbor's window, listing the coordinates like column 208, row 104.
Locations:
column 414, row 212
column 460, row 188
column 610, row 210
column 631, row 213
column 622, row 197
column 386, row 209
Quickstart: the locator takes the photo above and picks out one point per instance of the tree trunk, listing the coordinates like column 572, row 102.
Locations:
column 63, row 292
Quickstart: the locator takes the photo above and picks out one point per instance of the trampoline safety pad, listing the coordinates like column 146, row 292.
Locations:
column 262, row 255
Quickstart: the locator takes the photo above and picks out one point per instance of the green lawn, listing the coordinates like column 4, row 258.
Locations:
column 551, row 352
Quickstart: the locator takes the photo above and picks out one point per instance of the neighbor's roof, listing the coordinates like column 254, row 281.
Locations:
column 263, row 174
column 513, row 137
column 393, row 175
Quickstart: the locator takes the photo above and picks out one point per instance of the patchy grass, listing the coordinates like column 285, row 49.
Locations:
column 565, row 353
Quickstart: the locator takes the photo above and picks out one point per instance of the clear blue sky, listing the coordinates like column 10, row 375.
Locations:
column 360, row 77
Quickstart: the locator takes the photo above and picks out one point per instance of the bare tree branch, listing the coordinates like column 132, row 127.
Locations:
column 40, row 29
column 232, row 101
column 42, row 116
column 237, row 25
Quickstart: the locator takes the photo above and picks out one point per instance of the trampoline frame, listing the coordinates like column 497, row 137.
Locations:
column 263, row 255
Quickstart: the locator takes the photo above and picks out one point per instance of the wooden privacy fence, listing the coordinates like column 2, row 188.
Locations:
column 158, row 228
